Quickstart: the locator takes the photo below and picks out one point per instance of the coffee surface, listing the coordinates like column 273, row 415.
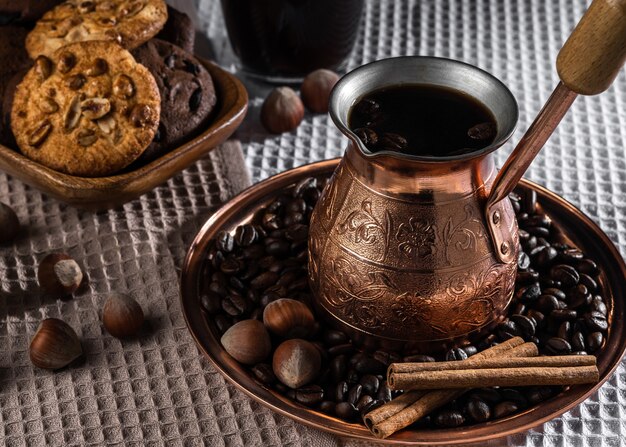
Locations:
column 422, row 120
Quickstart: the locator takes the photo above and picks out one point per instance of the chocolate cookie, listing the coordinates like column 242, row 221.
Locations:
column 178, row 30
column 187, row 94
column 128, row 22
column 88, row 110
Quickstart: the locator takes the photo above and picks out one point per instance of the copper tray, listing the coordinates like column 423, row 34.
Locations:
column 107, row 192
column 577, row 227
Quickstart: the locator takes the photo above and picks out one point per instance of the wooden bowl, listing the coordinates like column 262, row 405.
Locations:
column 107, row 192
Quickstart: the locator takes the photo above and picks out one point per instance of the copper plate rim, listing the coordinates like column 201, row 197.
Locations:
column 577, row 226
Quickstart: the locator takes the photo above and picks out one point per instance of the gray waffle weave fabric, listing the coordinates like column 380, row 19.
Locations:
column 157, row 389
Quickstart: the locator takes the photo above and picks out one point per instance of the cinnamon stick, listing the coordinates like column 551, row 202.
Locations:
column 477, row 377
column 399, row 373
column 402, row 411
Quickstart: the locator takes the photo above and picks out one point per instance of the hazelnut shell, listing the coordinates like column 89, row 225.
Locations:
column 122, row 316
column 289, row 318
column 282, row 110
column 9, row 223
column 59, row 274
column 248, row 342
column 296, row 362
column 316, row 88
column 54, row 345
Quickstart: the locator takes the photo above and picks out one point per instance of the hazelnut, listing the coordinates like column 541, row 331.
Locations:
column 316, row 89
column 9, row 223
column 59, row 274
column 296, row 362
column 122, row 316
column 247, row 342
column 282, row 110
column 54, row 345
column 289, row 318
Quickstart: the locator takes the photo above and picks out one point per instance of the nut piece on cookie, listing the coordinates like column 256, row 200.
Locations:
column 127, row 22
column 91, row 128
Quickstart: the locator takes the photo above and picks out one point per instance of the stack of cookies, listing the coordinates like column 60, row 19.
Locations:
column 98, row 87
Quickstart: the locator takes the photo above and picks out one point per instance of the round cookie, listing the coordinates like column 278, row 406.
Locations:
column 88, row 110
column 179, row 30
column 187, row 94
column 127, row 22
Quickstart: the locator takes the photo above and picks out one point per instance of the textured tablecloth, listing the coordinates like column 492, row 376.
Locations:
column 157, row 389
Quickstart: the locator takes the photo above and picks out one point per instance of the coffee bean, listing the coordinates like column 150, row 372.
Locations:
column 509, row 326
column 230, row 266
column 370, row 384
column 338, row 368
column 363, row 402
column 310, row 395
column 264, row 373
column 538, row 394
column 456, row 354
column 333, row 337
column 392, row 142
column 211, row 302
column 368, row 365
column 367, row 108
column 470, row 350
column 558, row 293
column 527, row 326
column 340, row 391
column 245, row 235
column 542, row 232
column 548, row 303
column 345, row 348
column 529, row 293
column 264, row 280
column 545, row 256
column 523, row 261
column 537, row 317
column 563, row 314
column 489, row 395
column 504, row 409
column 297, row 232
column 571, row 255
column 530, row 245
column 578, row 341
column 565, row 330
column 513, row 395
column 558, row 345
column 384, row 392
column 271, row 221
column 367, row 136
column 566, row 274
column 578, row 296
column 525, row 278
column 596, row 321
column 222, row 323
column 234, row 305
column 594, row 341
column 218, row 287
column 588, row 282
column 346, row 411
column 386, row 358
column 449, row 418
column 352, row 376
column 371, row 406
column 276, row 247
column 225, row 241
column 478, row 410
column 588, row 267
column 327, row 407
column 597, row 304
column 354, row 393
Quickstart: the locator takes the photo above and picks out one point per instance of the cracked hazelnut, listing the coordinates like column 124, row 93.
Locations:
column 54, row 345
column 122, row 316
column 9, row 223
column 316, row 89
column 282, row 110
column 247, row 342
column 288, row 318
column 296, row 362
column 59, row 274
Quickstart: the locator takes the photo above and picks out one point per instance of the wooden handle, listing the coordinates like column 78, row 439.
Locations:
column 596, row 49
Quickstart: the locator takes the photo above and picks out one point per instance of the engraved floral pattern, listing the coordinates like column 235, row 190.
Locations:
column 417, row 238
column 464, row 235
column 367, row 229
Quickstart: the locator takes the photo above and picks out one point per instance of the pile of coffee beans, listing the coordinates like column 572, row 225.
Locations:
column 557, row 304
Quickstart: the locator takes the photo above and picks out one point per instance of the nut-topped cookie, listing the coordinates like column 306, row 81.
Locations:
column 89, row 110
column 127, row 22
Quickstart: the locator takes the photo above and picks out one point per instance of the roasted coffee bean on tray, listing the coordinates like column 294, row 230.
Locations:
column 558, row 304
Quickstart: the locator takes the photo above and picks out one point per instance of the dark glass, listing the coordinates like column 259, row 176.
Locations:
column 422, row 120
column 290, row 38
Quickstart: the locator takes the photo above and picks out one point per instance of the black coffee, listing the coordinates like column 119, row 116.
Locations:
column 422, row 120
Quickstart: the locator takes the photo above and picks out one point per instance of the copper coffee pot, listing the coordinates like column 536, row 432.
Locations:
column 420, row 252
